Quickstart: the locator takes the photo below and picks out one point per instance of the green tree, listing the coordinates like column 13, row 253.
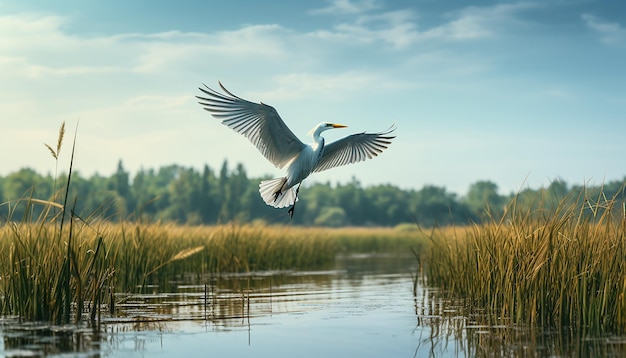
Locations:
column 24, row 184
column 432, row 205
column 224, row 194
column 93, row 199
column 389, row 205
column 209, row 196
column 184, row 197
column 157, row 185
column 352, row 199
column 332, row 216
column 311, row 201
column 237, row 188
column 483, row 195
column 121, row 185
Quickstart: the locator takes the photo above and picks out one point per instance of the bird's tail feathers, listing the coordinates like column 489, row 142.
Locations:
column 269, row 188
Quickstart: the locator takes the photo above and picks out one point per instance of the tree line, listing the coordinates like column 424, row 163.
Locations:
column 189, row 196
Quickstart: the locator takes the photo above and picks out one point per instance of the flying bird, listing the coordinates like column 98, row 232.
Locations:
column 262, row 125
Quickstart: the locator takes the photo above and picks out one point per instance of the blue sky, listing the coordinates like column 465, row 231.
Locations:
column 516, row 92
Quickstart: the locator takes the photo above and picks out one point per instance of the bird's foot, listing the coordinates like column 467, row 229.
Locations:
column 276, row 195
column 293, row 207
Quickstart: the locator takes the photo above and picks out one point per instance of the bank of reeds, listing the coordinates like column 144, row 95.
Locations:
column 558, row 265
column 48, row 274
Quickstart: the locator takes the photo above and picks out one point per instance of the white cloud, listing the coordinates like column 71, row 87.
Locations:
column 122, row 79
column 347, row 7
column 397, row 28
column 479, row 22
column 611, row 33
column 100, row 73
column 400, row 28
column 332, row 87
column 33, row 27
column 465, row 27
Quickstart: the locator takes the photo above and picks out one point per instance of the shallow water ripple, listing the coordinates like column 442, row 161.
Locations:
column 366, row 307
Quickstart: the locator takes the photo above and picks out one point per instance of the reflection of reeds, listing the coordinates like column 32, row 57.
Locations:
column 561, row 265
column 456, row 328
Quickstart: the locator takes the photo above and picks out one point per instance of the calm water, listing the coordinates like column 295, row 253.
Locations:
column 365, row 307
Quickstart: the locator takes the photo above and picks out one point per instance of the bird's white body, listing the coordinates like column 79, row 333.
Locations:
column 302, row 165
column 297, row 170
column 262, row 125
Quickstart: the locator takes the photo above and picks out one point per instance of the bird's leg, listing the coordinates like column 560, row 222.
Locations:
column 293, row 207
column 276, row 195
column 280, row 190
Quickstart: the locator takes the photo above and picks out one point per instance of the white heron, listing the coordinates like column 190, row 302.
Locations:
column 262, row 125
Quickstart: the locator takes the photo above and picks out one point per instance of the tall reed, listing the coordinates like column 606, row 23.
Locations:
column 560, row 265
column 45, row 269
column 42, row 274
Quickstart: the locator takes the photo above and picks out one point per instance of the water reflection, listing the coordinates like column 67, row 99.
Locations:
column 365, row 306
column 37, row 339
column 464, row 330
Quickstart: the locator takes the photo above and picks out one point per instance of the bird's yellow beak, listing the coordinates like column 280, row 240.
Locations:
column 339, row 125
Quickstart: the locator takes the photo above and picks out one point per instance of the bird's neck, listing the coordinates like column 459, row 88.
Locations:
column 318, row 142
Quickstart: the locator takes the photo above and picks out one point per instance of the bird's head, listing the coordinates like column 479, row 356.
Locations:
column 325, row 126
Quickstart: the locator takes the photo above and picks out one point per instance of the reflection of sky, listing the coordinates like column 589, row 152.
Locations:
column 352, row 312
column 517, row 92
column 376, row 319
column 330, row 314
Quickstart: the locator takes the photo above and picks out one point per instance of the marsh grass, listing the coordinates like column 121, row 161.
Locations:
column 41, row 273
column 563, row 264
column 45, row 270
column 239, row 248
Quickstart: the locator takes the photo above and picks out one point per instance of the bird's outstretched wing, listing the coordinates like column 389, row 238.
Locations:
column 258, row 122
column 354, row 148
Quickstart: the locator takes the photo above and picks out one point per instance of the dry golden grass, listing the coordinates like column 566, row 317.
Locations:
column 562, row 266
column 46, row 270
